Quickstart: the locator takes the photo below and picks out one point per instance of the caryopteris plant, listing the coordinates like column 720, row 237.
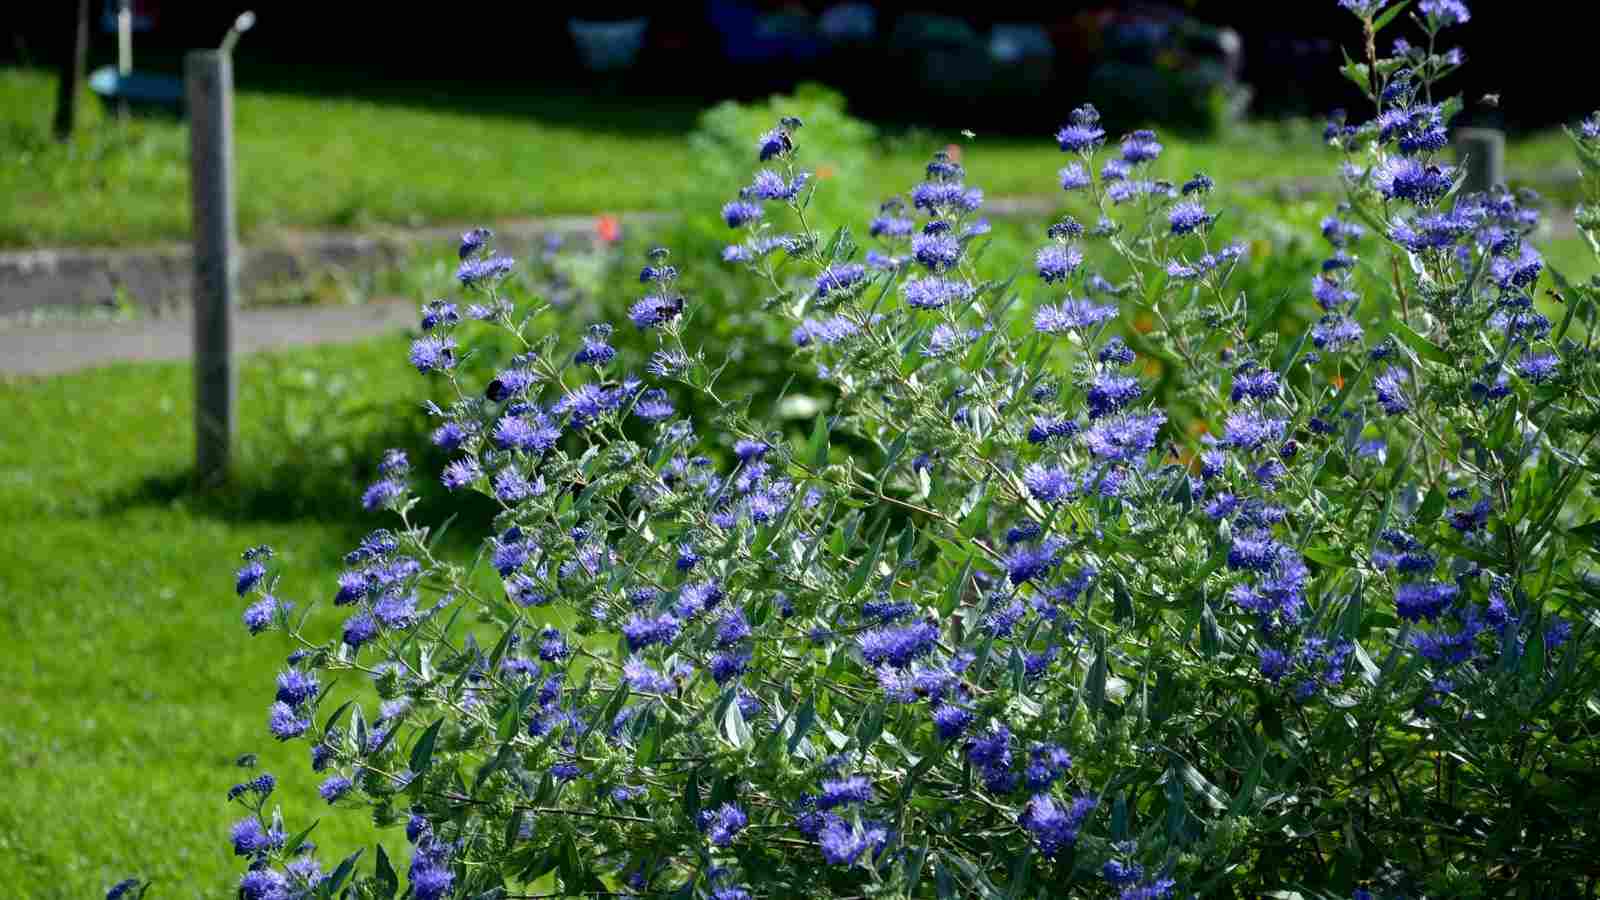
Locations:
column 1084, row 583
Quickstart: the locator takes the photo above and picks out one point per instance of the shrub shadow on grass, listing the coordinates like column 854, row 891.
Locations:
column 569, row 103
column 319, row 487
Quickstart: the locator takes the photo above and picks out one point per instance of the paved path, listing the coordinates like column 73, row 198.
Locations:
column 52, row 349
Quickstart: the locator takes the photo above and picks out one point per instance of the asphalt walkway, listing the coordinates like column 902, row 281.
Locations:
column 67, row 347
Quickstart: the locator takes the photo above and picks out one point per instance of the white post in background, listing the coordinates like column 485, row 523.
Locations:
column 124, row 50
column 209, row 74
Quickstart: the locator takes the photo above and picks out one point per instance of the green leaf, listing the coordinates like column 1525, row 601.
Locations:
column 817, row 451
column 1158, row 284
column 1448, row 110
column 613, row 705
column 905, row 546
column 569, row 867
column 1369, row 669
column 734, row 726
column 1384, row 513
column 1328, row 556
column 1357, row 73
column 336, row 880
column 513, row 828
column 803, row 721
column 1294, row 352
column 328, row 724
column 546, row 788
column 943, row 884
column 1533, row 656
column 1432, row 506
column 775, row 736
column 980, row 882
column 863, row 570
column 871, row 727
column 1389, row 15
column 1366, row 215
column 1094, row 681
column 1247, row 788
column 389, row 735
column 299, row 839
column 358, row 726
column 1575, row 297
column 537, row 866
column 1420, row 345
column 1210, row 635
column 1201, row 785
column 493, row 765
column 649, row 742
column 500, row 648
column 1587, row 157
column 1122, row 608
column 916, row 861
column 834, row 242
column 509, row 720
column 1019, row 873
column 977, row 520
column 691, row 796
column 1588, row 531
column 1177, row 814
column 978, row 356
column 981, row 663
column 767, row 533
column 1266, row 315
column 385, row 880
column 892, row 456
column 952, row 596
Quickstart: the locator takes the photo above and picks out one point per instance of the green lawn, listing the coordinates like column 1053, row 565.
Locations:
column 356, row 156
column 134, row 687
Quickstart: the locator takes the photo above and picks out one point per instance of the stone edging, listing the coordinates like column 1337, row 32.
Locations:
column 159, row 277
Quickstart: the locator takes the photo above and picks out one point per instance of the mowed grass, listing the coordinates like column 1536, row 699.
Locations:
column 351, row 157
column 131, row 687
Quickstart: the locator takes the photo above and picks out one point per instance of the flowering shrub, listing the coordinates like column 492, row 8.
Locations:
column 998, row 623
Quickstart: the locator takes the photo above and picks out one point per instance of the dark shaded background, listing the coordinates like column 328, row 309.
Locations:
column 1290, row 52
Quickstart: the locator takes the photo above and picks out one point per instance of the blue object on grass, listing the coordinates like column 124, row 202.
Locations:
column 140, row 89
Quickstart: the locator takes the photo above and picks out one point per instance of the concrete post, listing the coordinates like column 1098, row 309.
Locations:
column 209, row 74
column 1483, row 152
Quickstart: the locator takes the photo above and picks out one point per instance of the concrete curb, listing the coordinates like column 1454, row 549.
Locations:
column 160, row 277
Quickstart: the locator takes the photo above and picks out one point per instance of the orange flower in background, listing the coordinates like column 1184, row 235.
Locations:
column 609, row 228
column 1144, row 323
column 824, row 171
column 1338, row 382
column 953, row 151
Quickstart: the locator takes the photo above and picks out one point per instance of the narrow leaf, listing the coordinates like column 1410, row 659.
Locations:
column 384, row 878
column 422, row 750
